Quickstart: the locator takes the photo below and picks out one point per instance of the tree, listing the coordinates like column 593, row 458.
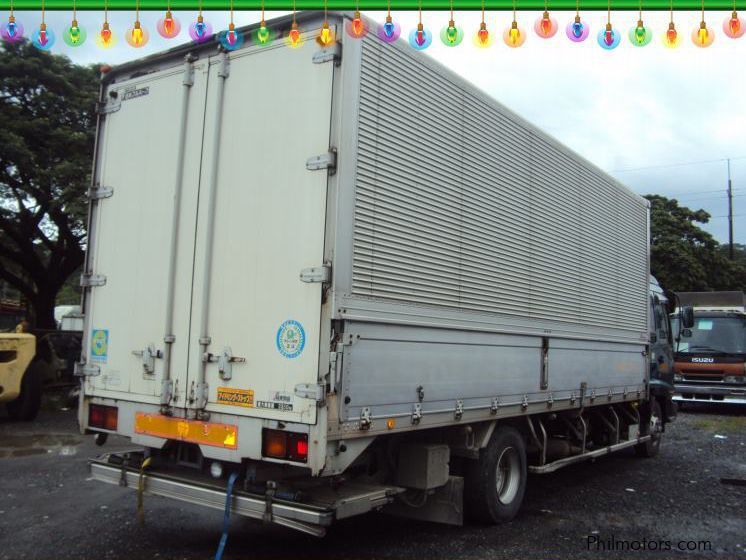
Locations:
column 47, row 122
column 684, row 257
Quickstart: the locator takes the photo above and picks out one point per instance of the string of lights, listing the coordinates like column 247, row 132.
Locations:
column 420, row 38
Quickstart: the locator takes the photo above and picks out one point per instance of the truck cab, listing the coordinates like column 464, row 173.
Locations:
column 710, row 357
column 661, row 350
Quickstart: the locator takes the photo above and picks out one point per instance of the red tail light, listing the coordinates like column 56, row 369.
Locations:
column 285, row 445
column 104, row 417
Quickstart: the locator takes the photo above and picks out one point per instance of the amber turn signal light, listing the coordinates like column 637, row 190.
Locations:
column 279, row 444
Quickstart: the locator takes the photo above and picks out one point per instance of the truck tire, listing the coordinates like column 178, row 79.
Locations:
column 655, row 428
column 26, row 406
column 495, row 483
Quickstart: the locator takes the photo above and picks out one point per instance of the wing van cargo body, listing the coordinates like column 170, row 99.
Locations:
column 354, row 281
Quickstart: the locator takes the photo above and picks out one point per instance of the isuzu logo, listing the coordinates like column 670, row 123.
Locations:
column 703, row 360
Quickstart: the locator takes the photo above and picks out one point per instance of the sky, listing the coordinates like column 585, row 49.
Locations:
column 660, row 120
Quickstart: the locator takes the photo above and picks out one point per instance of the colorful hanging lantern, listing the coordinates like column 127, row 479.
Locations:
column 389, row 31
column 734, row 26
column 514, row 36
column 295, row 37
column 577, row 30
column 43, row 38
column 75, row 35
column 356, row 28
column 105, row 38
column 230, row 38
column 325, row 38
column 671, row 36
column 609, row 37
column 451, row 35
column 168, row 26
column 703, row 36
column 546, row 26
column 200, row 31
column 420, row 38
column 12, row 30
column 483, row 38
column 640, row 35
column 263, row 34
column 137, row 36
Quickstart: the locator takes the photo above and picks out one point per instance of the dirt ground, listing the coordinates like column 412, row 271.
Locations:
column 618, row 507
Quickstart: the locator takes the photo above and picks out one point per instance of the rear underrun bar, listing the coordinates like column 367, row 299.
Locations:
column 379, row 5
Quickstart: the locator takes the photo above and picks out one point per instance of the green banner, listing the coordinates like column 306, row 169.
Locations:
column 375, row 5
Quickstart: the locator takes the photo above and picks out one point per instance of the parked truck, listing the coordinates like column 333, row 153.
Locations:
column 711, row 353
column 332, row 280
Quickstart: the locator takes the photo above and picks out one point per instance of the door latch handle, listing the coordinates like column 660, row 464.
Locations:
column 225, row 362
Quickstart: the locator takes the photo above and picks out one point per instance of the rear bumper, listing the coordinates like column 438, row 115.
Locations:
column 318, row 505
column 710, row 393
column 305, row 518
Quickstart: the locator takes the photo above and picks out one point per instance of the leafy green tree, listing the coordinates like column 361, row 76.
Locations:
column 47, row 122
column 684, row 257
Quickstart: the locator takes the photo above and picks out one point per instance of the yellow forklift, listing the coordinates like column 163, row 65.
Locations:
column 20, row 381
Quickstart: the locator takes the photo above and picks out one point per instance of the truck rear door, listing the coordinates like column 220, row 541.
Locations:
column 269, row 225
column 131, row 231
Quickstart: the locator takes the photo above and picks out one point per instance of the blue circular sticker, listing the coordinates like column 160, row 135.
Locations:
column 291, row 338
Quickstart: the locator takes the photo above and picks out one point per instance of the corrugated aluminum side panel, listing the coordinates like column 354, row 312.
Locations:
column 461, row 206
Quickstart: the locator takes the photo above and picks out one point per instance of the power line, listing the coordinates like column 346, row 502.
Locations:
column 680, row 164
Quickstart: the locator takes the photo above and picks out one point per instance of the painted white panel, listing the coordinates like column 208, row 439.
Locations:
column 138, row 159
column 270, row 217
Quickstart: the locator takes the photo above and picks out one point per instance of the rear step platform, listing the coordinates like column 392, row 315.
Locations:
column 319, row 507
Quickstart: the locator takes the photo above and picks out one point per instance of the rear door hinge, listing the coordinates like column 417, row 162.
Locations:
column 311, row 391
column 316, row 274
column 326, row 161
column 335, row 368
column 90, row 280
column 112, row 106
column 98, row 192
column 167, row 391
column 365, row 419
column 83, row 369
column 332, row 53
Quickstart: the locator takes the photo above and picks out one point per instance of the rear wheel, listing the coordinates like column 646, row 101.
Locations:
column 654, row 428
column 496, row 482
column 27, row 405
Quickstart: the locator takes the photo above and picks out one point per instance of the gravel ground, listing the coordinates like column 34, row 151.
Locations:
column 49, row 508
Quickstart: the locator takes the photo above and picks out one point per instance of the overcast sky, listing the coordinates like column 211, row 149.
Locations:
column 662, row 121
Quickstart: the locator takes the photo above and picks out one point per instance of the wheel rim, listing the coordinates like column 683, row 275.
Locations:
column 508, row 475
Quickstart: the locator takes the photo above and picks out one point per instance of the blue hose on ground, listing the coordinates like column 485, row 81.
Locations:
column 226, row 517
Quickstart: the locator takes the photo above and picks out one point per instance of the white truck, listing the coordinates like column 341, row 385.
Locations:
column 345, row 279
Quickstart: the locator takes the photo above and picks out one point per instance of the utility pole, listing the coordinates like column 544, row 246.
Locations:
column 730, row 214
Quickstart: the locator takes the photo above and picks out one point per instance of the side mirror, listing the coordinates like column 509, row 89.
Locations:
column 686, row 333
column 687, row 317
column 653, row 338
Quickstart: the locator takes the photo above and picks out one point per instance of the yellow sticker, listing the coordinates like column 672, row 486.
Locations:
column 236, row 397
